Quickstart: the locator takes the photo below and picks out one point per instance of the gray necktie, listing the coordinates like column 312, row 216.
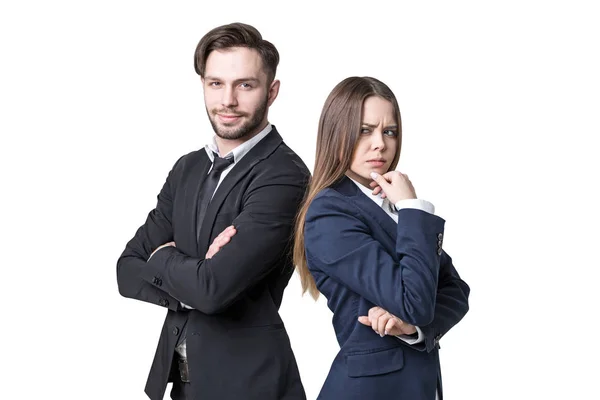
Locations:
column 204, row 197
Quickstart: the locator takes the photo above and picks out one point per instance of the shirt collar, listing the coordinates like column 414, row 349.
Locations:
column 239, row 151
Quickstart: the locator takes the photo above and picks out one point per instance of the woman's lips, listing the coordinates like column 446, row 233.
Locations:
column 376, row 163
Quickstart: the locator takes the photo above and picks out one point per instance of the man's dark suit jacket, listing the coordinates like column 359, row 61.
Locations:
column 237, row 345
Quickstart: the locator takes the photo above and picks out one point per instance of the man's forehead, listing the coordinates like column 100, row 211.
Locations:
column 234, row 63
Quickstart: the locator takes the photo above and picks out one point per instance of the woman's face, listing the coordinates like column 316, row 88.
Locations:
column 378, row 140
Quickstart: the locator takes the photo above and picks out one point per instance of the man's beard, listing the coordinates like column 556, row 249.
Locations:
column 234, row 133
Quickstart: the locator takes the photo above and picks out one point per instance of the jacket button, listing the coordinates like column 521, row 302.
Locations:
column 440, row 236
column 175, row 330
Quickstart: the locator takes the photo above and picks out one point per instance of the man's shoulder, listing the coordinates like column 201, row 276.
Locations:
column 191, row 158
column 286, row 158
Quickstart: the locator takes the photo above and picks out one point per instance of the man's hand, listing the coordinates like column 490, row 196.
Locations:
column 384, row 323
column 220, row 241
column 160, row 247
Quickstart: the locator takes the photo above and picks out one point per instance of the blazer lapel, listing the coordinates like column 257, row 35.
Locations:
column 259, row 152
column 349, row 189
column 194, row 181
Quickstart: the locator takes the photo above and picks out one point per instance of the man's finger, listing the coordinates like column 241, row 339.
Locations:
column 218, row 244
column 364, row 320
column 226, row 233
column 222, row 241
column 229, row 232
column 212, row 250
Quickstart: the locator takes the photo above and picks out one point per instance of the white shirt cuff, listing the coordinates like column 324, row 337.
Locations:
column 411, row 340
column 418, row 204
column 155, row 251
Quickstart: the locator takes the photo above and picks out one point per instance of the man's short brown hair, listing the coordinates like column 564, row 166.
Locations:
column 236, row 35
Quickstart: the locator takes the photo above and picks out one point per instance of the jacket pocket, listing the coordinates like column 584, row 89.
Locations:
column 377, row 363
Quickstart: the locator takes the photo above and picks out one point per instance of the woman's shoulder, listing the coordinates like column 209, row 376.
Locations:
column 344, row 189
column 327, row 192
column 331, row 201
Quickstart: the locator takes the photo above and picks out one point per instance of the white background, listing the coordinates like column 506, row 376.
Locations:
column 500, row 106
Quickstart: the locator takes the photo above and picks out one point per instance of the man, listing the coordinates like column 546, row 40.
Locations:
column 223, row 337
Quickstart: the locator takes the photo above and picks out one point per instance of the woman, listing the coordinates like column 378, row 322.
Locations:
column 374, row 250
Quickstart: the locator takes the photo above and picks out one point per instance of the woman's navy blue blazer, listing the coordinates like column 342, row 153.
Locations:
column 360, row 258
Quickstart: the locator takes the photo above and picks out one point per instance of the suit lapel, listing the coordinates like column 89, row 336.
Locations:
column 259, row 152
column 194, row 181
column 382, row 219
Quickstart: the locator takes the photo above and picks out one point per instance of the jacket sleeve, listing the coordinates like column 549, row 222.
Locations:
column 341, row 245
column 451, row 305
column 156, row 231
column 264, row 228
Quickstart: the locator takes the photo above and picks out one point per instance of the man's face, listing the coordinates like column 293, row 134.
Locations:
column 236, row 93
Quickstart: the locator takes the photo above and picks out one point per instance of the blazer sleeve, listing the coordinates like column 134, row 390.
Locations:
column 156, row 231
column 451, row 305
column 341, row 245
column 264, row 229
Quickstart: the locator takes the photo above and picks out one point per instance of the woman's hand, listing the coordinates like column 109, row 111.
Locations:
column 395, row 186
column 384, row 323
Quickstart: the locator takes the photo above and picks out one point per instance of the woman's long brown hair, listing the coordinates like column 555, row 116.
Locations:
column 339, row 130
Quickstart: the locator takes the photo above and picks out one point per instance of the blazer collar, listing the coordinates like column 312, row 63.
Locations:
column 346, row 187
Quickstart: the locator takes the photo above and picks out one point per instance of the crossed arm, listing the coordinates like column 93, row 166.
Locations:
column 210, row 284
column 221, row 240
column 421, row 289
column 451, row 305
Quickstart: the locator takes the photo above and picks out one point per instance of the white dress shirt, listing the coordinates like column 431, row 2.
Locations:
column 237, row 153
